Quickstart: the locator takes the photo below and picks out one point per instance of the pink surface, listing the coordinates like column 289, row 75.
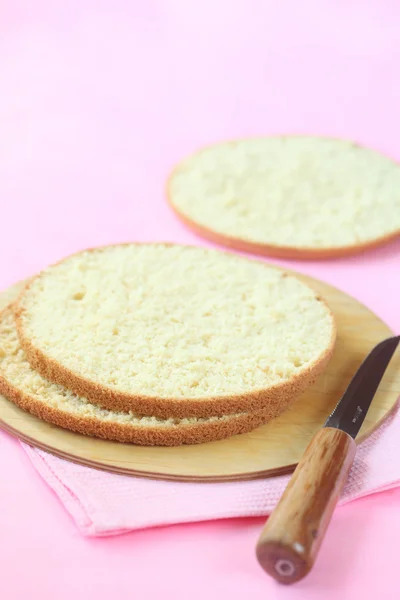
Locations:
column 98, row 99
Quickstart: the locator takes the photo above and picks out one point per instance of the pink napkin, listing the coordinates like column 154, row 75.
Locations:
column 106, row 504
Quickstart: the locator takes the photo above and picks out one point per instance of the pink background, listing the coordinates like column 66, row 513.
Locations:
column 98, row 99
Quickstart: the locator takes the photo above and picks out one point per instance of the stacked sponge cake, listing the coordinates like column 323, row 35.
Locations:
column 162, row 344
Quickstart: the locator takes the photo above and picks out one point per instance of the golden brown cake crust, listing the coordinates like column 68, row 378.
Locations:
column 190, row 433
column 174, row 435
column 275, row 398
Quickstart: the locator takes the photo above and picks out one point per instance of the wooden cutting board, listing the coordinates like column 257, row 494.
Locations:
column 272, row 449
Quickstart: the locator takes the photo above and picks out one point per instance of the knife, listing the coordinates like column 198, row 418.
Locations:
column 290, row 541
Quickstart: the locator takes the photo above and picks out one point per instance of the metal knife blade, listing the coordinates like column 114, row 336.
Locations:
column 350, row 411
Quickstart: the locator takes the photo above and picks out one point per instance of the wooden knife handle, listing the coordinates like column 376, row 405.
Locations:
column 292, row 536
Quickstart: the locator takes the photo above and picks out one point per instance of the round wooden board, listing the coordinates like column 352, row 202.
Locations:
column 272, row 449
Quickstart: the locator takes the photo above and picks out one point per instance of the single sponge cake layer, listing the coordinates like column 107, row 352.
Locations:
column 174, row 331
column 58, row 405
column 292, row 196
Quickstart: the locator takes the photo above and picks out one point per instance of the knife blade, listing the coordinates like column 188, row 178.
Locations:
column 290, row 541
column 351, row 410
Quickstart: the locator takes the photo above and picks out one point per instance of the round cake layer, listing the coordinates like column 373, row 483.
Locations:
column 305, row 197
column 171, row 330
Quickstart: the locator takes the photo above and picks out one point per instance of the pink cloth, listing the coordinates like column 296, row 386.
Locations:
column 105, row 504
column 98, row 99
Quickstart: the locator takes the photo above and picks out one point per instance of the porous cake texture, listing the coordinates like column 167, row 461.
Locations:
column 174, row 331
column 306, row 197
